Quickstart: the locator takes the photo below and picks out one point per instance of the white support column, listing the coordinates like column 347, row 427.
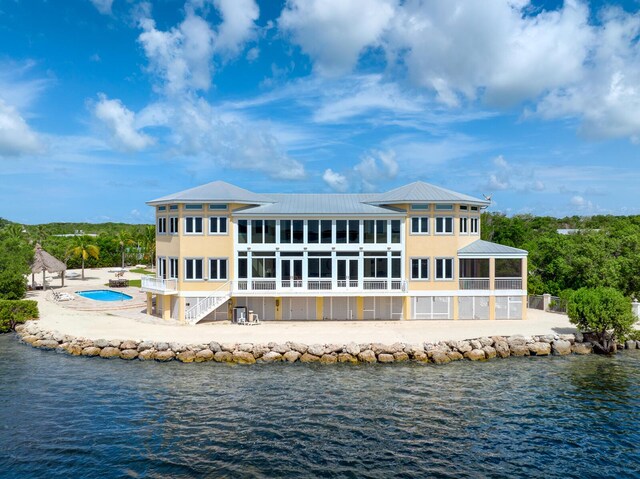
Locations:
column 305, row 271
column 278, row 271
column 334, row 269
column 249, row 271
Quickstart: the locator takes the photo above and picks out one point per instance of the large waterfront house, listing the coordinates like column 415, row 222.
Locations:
column 410, row 253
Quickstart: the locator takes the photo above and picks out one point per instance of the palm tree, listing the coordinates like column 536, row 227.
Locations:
column 148, row 240
column 82, row 248
column 14, row 230
column 123, row 238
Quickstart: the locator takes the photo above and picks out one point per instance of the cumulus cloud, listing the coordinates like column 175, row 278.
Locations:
column 335, row 32
column 376, row 166
column 336, row 181
column 238, row 25
column 506, row 177
column 103, row 6
column 120, row 122
column 16, row 137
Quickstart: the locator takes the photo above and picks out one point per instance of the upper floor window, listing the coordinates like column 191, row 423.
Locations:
column 348, row 231
column 464, row 225
column 475, row 225
column 217, row 225
column 173, row 225
column 242, row 231
column 193, row 225
column 193, row 268
column 444, row 225
column 218, row 206
column 291, row 231
column 444, row 268
column 319, row 267
column 375, row 231
column 422, row 207
column 444, row 207
column 376, row 267
column 420, row 225
column 419, row 268
column 474, row 208
column 464, row 207
column 395, row 231
column 192, row 207
column 218, row 268
column 173, row 207
column 173, row 268
column 162, row 225
column 162, row 208
column 161, row 272
column 263, row 231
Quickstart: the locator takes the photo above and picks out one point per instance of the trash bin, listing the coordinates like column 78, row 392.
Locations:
column 240, row 314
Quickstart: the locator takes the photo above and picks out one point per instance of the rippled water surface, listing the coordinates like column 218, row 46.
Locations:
column 536, row 417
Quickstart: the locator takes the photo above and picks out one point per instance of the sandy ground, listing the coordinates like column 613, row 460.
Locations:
column 134, row 324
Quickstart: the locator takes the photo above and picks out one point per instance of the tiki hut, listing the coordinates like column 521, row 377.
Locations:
column 44, row 262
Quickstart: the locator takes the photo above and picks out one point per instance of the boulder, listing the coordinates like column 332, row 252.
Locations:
column 400, row 356
column 630, row 344
column 223, row 357
column 19, row 328
column 579, row 337
column 164, row 356
column 489, row 352
column 177, row 347
column 454, row 355
column 385, row 358
column 329, row 358
column 30, row 338
column 333, row 348
column 186, row 356
column 146, row 354
column 74, row 349
column 271, row 357
column 516, row 340
column 145, row 345
column 301, row 348
column 420, row 356
column 547, row 338
column 463, row 346
column 45, row 344
column 229, row 347
column 347, row 358
column 567, row 337
column 485, row 341
column 279, row 348
column 502, row 348
column 475, row 344
column 162, row 346
column 309, row 358
column 91, row 351
column 367, row 356
column 214, row 347
column 260, row 350
column 243, row 357
column 316, row 350
column 519, row 349
column 204, row 355
column 115, row 343
column 110, row 352
column 101, row 343
column 245, row 347
column 582, row 348
column 439, row 357
column 475, row 355
column 561, row 347
column 291, row 356
column 128, row 353
column 352, row 349
column 540, row 349
column 129, row 345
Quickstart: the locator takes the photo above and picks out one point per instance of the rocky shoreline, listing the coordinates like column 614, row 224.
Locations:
column 478, row 349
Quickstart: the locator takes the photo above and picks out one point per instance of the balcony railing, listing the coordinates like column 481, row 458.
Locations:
column 321, row 285
column 158, row 284
column 474, row 283
column 508, row 283
column 314, row 285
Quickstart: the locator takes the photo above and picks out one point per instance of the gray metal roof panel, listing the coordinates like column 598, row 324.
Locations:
column 319, row 204
column 215, row 191
column 421, row 191
column 486, row 247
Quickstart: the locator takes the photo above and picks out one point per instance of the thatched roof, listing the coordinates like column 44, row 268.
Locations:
column 44, row 261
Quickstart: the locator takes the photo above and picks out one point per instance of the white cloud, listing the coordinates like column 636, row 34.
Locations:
column 500, row 162
column 496, row 183
column 103, row 6
column 120, row 122
column 336, row 181
column 16, row 137
column 238, row 25
column 376, row 166
column 335, row 32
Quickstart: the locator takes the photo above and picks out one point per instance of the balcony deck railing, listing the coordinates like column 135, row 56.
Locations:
column 158, row 284
column 474, row 283
column 320, row 285
column 508, row 283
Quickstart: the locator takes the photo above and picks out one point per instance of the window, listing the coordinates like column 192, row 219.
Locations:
column 319, row 267
column 218, row 225
column 162, row 267
column 326, row 235
column 420, row 207
column 242, row 231
column 192, row 207
column 395, row 231
column 162, row 225
column 396, row 267
column 291, row 231
column 173, row 268
column 420, row 225
column 475, row 224
column 193, row 269
column 381, row 231
column 419, row 268
column 444, row 207
column 242, row 268
column 444, row 268
column 173, row 225
column 348, row 231
column 375, row 231
column 464, row 207
column 474, row 208
column 162, row 208
column 444, row 225
column 313, row 231
column 217, row 268
column 341, row 231
column 193, row 225
column 173, row 207
column 263, row 267
column 464, row 225
column 218, row 207
column 375, row 267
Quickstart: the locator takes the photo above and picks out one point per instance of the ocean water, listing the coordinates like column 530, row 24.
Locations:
column 566, row 417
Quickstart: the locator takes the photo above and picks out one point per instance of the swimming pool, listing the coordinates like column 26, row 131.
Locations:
column 104, row 295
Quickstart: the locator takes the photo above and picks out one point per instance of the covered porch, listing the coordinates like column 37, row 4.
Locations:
column 490, row 266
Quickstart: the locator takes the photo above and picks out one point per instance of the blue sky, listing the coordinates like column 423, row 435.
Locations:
column 106, row 104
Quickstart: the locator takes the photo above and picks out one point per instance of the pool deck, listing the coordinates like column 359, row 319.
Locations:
column 83, row 318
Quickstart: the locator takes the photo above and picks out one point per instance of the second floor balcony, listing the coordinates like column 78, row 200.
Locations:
column 315, row 285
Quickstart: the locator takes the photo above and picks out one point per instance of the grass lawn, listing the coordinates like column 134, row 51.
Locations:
column 141, row 271
column 134, row 283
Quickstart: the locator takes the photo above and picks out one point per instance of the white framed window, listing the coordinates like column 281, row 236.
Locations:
column 475, row 225
column 420, row 225
column 444, row 207
column 420, row 268
column 173, row 225
column 464, row 225
column 193, row 269
column 218, row 225
column 218, row 268
column 162, row 225
column 422, row 207
column 444, row 225
column 193, row 225
column 464, row 208
column 173, row 268
column 161, row 271
column 444, row 269
column 474, row 208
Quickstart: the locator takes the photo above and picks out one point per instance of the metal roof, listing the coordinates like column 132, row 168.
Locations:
column 481, row 247
column 319, row 204
column 425, row 192
column 215, row 191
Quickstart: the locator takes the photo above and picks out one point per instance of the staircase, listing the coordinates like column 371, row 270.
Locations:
column 207, row 305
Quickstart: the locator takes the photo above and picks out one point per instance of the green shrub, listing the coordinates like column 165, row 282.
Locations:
column 605, row 312
column 14, row 312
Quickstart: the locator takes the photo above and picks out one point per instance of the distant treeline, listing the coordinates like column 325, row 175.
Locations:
column 604, row 251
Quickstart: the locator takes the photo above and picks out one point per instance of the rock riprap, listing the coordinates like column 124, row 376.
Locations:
column 478, row 349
